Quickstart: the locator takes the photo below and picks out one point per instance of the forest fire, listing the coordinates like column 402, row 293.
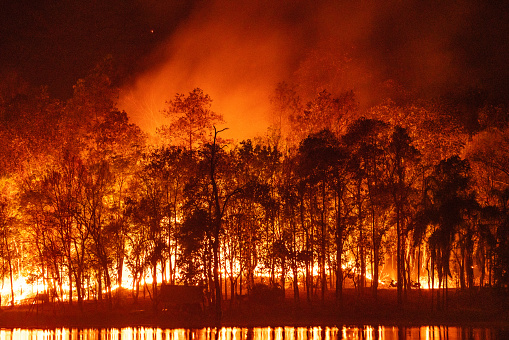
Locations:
column 342, row 204
column 23, row 292
column 26, row 292
column 286, row 155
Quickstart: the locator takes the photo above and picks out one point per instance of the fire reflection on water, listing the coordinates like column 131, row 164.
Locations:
column 265, row 333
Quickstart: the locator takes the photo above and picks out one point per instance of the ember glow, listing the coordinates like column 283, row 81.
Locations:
column 239, row 52
column 236, row 64
column 363, row 147
column 256, row 333
column 26, row 293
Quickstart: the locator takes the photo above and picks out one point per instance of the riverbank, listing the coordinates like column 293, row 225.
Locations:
column 487, row 308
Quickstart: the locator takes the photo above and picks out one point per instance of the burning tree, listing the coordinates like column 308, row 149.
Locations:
column 191, row 119
column 324, row 215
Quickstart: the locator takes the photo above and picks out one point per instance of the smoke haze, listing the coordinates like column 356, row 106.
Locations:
column 237, row 52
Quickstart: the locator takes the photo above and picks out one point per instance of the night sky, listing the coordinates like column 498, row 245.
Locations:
column 55, row 43
column 238, row 51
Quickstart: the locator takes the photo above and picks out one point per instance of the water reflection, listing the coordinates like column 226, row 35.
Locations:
column 267, row 333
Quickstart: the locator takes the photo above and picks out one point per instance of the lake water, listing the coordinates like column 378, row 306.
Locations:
column 262, row 333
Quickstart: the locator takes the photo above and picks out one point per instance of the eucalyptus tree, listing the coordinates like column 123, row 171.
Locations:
column 57, row 192
column 221, row 192
column 42, row 230
column 449, row 200
column 195, row 236
column 119, row 146
column 401, row 164
column 318, row 155
column 286, row 104
column 367, row 139
column 341, row 179
column 306, row 255
column 436, row 133
column 194, row 239
column 324, row 111
column 138, row 250
column 29, row 120
column 9, row 242
column 109, row 147
column 211, row 189
column 170, row 168
column 259, row 179
column 291, row 192
column 488, row 153
column 147, row 213
column 191, row 120
column 94, row 215
column 252, row 218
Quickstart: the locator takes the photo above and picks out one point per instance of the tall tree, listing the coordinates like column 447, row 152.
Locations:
column 450, row 198
column 367, row 141
column 285, row 104
column 191, row 119
column 9, row 239
column 318, row 157
column 169, row 170
column 324, row 112
column 219, row 202
column 488, row 154
column 403, row 156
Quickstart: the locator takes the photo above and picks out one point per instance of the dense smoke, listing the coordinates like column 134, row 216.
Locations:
column 238, row 51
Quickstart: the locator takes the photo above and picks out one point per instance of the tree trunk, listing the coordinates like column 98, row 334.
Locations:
column 11, row 276
column 217, row 284
column 399, row 261
column 323, row 276
column 362, row 255
column 70, row 282
column 469, row 262
column 339, row 253
column 375, row 260
column 216, row 220
column 339, row 268
column 99, row 286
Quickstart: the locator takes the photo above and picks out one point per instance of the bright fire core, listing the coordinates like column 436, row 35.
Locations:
column 25, row 293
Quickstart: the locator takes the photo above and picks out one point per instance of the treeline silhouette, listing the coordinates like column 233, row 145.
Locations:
column 326, row 199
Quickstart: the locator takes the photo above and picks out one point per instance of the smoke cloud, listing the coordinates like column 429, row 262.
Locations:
column 237, row 52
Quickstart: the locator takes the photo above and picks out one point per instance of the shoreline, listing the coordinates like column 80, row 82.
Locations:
column 468, row 309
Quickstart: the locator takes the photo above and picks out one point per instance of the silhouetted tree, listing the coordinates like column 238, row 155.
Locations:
column 193, row 240
column 367, row 141
column 450, row 198
column 9, row 243
column 192, row 120
column 318, row 157
column 403, row 156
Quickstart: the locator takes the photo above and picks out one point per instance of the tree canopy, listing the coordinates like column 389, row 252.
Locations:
column 340, row 196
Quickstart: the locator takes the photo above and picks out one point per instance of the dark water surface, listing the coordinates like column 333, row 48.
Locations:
column 262, row 333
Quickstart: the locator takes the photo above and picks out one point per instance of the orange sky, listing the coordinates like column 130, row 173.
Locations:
column 237, row 52
column 238, row 66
